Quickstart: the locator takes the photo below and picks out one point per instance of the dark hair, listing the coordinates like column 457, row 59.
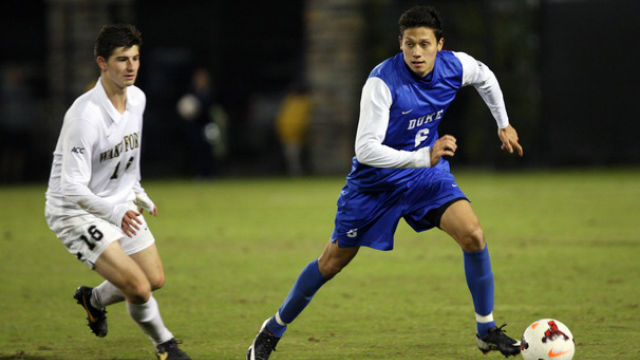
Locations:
column 115, row 36
column 419, row 16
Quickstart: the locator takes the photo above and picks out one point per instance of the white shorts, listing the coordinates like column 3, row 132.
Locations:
column 87, row 236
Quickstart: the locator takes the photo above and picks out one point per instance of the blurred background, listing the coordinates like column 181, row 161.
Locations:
column 273, row 87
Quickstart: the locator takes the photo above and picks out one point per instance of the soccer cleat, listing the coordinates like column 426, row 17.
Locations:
column 96, row 317
column 169, row 350
column 497, row 340
column 262, row 346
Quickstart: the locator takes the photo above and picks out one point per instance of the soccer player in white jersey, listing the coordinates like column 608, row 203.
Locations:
column 399, row 172
column 94, row 199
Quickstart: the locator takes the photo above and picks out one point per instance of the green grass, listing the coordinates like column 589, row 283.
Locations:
column 563, row 244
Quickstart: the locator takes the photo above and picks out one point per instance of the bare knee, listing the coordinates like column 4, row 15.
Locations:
column 137, row 291
column 157, row 282
column 472, row 239
column 334, row 259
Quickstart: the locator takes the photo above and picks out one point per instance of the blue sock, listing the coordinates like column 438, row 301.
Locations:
column 308, row 282
column 477, row 268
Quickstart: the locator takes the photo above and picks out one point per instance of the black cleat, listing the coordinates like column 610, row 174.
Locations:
column 96, row 317
column 497, row 340
column 169, row 350
column 262, row 346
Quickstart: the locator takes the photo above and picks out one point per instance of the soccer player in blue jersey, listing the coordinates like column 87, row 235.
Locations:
column 399, row 172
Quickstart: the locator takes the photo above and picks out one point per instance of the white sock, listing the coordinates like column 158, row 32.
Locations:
column 105, row 294
column 148, row 317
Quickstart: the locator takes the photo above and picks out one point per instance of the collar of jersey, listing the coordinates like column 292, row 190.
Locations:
column 108, row 106
column 427, row 80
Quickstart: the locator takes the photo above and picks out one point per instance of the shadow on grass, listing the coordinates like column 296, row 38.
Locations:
column 22, row 356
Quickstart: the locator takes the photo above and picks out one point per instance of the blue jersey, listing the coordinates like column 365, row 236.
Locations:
column 418, row 106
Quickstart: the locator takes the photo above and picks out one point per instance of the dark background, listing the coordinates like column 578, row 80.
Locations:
column 566, row 69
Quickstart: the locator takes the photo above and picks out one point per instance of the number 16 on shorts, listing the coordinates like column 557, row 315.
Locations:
column 94, row 234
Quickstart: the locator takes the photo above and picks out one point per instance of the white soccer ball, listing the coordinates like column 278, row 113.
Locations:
column 547, row 339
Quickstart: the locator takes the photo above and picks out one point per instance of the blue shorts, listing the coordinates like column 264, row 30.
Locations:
column 371, row 218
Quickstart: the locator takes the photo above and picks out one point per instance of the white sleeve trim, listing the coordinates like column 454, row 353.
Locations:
column 484, row 81
column 375, row 103
column 142, row 199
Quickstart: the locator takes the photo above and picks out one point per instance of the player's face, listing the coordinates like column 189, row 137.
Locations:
column 121, row 69
column 419, row 48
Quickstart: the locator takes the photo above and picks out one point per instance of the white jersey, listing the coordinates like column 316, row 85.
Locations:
column 96, row 163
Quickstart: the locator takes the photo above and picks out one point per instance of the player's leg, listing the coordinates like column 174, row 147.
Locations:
column 107, row 294
column 461, row 223
column 362, row 219
column 123, row 272
column 149, row 261
column 312, row 277
column 142, row 250
column 86, row 237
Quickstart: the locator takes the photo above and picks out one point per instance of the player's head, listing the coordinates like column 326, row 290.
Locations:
column 418, row 16
column 117, row 52
column 421, row 37
column 115, row 36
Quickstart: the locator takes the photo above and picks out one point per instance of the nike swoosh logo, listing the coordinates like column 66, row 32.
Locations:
column 406, row 112
column 163, row 356
column 84, row 303
column 556, row 354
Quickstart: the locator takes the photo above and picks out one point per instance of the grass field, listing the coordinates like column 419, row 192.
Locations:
column 564, row 245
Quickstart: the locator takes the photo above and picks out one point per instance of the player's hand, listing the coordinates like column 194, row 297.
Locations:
column 130, row 223
column 509, row 138
column 445, row 146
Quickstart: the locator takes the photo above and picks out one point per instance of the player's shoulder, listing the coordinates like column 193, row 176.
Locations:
column 451, row 59
column 86, row 107
column 136, row 96
column 391, row 71
column 449, row 67
column 386, row 68
column 136, row 93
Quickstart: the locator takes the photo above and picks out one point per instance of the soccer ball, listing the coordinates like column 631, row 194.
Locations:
column 547, row 339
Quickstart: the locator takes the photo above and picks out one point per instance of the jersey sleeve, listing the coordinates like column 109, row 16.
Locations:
column 375, row 103
column 142, row 199
column 77, row 148
column 484, row 81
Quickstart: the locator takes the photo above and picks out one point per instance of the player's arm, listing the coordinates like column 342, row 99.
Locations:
column 486, row 84
column 372, row 127
column 143, row 201
column 78, row 140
